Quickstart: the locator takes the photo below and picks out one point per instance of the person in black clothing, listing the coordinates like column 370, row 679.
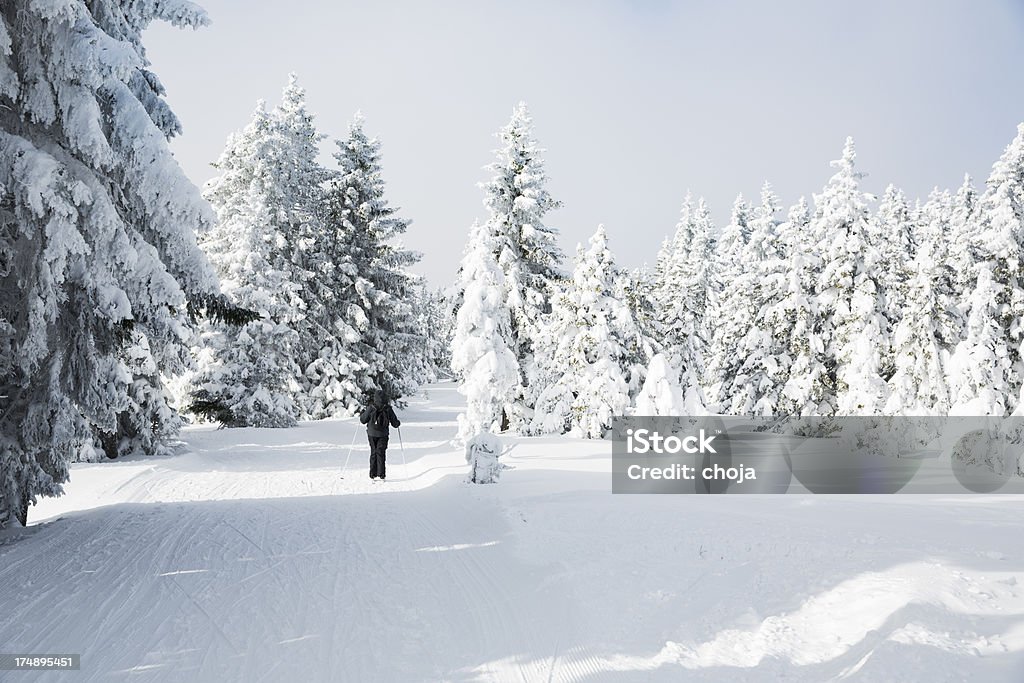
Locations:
column 377, row 417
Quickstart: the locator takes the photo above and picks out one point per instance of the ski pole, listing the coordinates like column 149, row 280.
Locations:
column 405, row 465
column 351, row 445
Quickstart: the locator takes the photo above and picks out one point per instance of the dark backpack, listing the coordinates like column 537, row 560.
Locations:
column 380, row 418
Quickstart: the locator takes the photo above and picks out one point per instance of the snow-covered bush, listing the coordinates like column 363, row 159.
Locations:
column 482, row 453
column 661, row 393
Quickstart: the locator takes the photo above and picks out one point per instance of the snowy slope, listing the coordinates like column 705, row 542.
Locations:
column 248, row 557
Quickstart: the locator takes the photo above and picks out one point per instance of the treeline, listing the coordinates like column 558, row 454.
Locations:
column 854, row 305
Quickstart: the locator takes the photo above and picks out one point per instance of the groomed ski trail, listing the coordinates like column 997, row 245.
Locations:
column 247, row 557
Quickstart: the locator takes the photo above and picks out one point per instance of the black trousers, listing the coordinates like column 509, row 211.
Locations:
column 378, row 451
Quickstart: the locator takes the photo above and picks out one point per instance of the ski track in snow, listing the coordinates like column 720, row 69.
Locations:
column 253, row 556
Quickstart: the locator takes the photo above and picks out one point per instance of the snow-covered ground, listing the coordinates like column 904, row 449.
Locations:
column 250, row 557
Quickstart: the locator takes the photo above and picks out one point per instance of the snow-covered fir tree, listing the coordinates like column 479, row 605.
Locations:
column 979, row 375
column 765, row 242
column 921, row 338
column 894, row 225
column 849, row 299
column 731, row 303
column 682, row 276
column 247, row 376
column 298, row 190
column 1000, row 239
column 963, row 251
column 754, row 387
column 481, row 353
column 373, row 297
column 435, row 319
column 984, row 257
column 635, row 288
column 98, row 254
column 893, row 230
column 937, row 224
column 518, row 201
column 315, row 248
column 696, row 268
column 585, row 347
column 150, row 423
column 784, row 333
column 809, row 388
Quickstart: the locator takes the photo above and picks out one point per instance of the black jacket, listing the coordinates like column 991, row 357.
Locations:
column 367, row 418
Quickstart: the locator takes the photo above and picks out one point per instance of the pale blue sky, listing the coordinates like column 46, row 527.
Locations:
column 636, row 102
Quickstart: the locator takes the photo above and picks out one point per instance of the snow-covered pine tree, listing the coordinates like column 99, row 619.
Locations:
column 635, row 289
column 731, row 304
column 659, row 278
column 150, row 423
column 1000, row 240
column 299, row 179
column 921, row 337
column 335, row 376
column 975, row 336
column 986, row 371
column 434, row 318
column 554, row 351
column 481, row 353
column 849, row 299
column 784, row 330
column 316, row 247
column 667, row 291
column 518, row 201
column 893, row 228
column 681, row 294
column 763, row 243
column 376, row 294
column 754, row 386
column 926, row 219
column 697, row 269
column 97, row 233
column 936, row 230
column 796, row 324
column 246, row 375
column 962, row 254
column 587, row 340
column 979, row 375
